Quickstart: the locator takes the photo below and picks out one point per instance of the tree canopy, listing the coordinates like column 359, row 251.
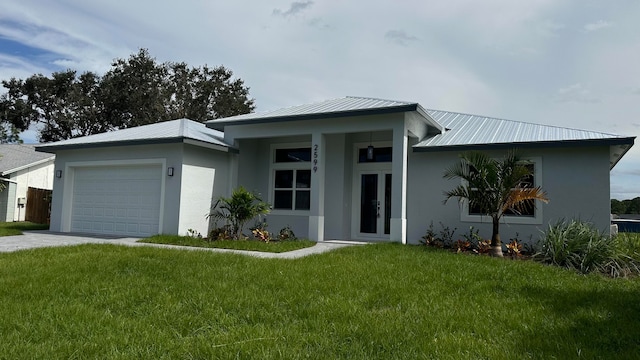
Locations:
column 629, row 206
column 135, row 91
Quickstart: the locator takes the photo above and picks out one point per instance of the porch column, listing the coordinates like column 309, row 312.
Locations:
column 316, row 213
column 399, row 184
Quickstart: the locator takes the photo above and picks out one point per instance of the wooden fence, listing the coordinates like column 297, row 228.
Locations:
column 38, row 209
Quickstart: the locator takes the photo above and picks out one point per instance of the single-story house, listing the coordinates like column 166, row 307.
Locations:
column 22, row 167
column 350, row 169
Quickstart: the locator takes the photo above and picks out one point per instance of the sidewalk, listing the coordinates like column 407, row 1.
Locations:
column 38, row 239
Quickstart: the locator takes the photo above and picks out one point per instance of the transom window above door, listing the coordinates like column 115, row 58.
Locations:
column 379, row 154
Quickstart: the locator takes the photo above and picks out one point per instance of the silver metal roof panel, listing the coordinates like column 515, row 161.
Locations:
column 163, row 132
column 467, row 129
column 346, row 106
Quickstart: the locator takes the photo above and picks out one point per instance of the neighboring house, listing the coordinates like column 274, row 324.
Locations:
column 21, row 167
column 348, row 169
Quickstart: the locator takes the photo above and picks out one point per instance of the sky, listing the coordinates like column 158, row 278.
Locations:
column 569, row 63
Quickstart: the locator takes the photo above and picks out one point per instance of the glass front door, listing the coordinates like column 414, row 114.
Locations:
column 375, row 203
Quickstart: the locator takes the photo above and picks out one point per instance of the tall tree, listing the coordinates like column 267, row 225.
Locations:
column 135, row 91
column 494, row 187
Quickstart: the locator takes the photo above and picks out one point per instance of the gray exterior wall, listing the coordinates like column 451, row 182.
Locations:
column 576, row 180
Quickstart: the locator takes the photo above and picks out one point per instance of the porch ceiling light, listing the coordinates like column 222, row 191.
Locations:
column 370, row 149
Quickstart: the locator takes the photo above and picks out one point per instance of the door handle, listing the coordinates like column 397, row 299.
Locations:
column 378, row 214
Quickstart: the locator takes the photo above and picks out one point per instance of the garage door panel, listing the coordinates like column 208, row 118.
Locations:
column 119, row 200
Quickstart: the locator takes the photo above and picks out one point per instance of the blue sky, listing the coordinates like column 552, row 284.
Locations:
column 570, row 63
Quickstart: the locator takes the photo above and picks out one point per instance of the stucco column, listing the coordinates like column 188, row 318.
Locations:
column 399, row 184
column 316, row 213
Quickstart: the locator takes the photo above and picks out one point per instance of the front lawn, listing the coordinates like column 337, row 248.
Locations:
column 16, row 228
column 250, row 245
column 381, row 301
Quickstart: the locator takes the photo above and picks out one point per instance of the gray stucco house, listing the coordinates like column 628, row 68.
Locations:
column 349, row 169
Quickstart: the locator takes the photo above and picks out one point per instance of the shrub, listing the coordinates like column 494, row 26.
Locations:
column 286, row 233
column 260, row 232
column 238, row 209
column 578, row 245
column 442, row 239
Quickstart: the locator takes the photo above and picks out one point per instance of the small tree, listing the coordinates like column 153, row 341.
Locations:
column 493, row 187
column 238, row 209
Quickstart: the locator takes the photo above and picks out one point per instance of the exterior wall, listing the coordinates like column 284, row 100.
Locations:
column 254, row 173
column 7, row 200
column 205, row 177
column 576, row 180
column 169, row 154
column 39, row 176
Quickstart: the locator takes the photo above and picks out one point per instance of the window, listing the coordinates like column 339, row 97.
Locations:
column 529, row 207
column 529, row 214
column 292, row 178
column 380, row 154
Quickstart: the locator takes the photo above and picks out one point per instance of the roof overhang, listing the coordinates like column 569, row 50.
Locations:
column 26, row 166
column 618, row 146
column 219, row 124
column 94, row 145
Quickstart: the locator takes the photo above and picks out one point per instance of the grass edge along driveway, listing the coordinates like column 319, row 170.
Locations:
column 380, row 301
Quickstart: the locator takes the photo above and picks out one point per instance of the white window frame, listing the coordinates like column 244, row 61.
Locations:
column 273, row 166
column 511, row 219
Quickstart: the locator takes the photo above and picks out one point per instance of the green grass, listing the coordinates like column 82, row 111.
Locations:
column 16, row 228
column 251, row 245
column 384, row 301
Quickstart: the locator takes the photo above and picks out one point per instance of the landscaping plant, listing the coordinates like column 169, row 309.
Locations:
column 239, row 209
column 493, row 186
column 578, row 245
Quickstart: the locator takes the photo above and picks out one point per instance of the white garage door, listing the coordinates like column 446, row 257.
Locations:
column 117, row 200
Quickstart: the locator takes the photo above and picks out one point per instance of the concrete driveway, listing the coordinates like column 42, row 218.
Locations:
column 44, row 238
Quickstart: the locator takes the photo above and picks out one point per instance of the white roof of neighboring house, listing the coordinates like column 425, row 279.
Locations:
column 15, row 157
column 181, row 130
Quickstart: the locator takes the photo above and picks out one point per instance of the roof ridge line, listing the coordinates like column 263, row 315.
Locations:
column 379, row 99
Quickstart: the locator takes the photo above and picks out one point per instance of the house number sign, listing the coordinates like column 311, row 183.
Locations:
column 315, row 157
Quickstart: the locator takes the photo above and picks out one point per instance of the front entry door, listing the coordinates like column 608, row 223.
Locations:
column 375, row 204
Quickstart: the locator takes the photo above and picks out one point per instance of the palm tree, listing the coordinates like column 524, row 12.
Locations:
column 493, row 187
column 238, row 209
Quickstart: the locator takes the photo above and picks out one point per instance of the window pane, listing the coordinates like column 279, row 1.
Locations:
column 293, row 155
column 303, row 200
column 303, row 179
column 380, row 154
column 283, row 199
column 284, row 179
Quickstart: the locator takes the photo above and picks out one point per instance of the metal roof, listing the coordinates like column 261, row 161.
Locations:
column 341, row 107
column 466, row 131
column 181, row 130
column 15, row 157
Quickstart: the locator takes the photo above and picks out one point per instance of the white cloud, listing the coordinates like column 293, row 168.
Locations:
column 399, row 37
column 576, row 93
column 295, row 8
column 598, row 25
